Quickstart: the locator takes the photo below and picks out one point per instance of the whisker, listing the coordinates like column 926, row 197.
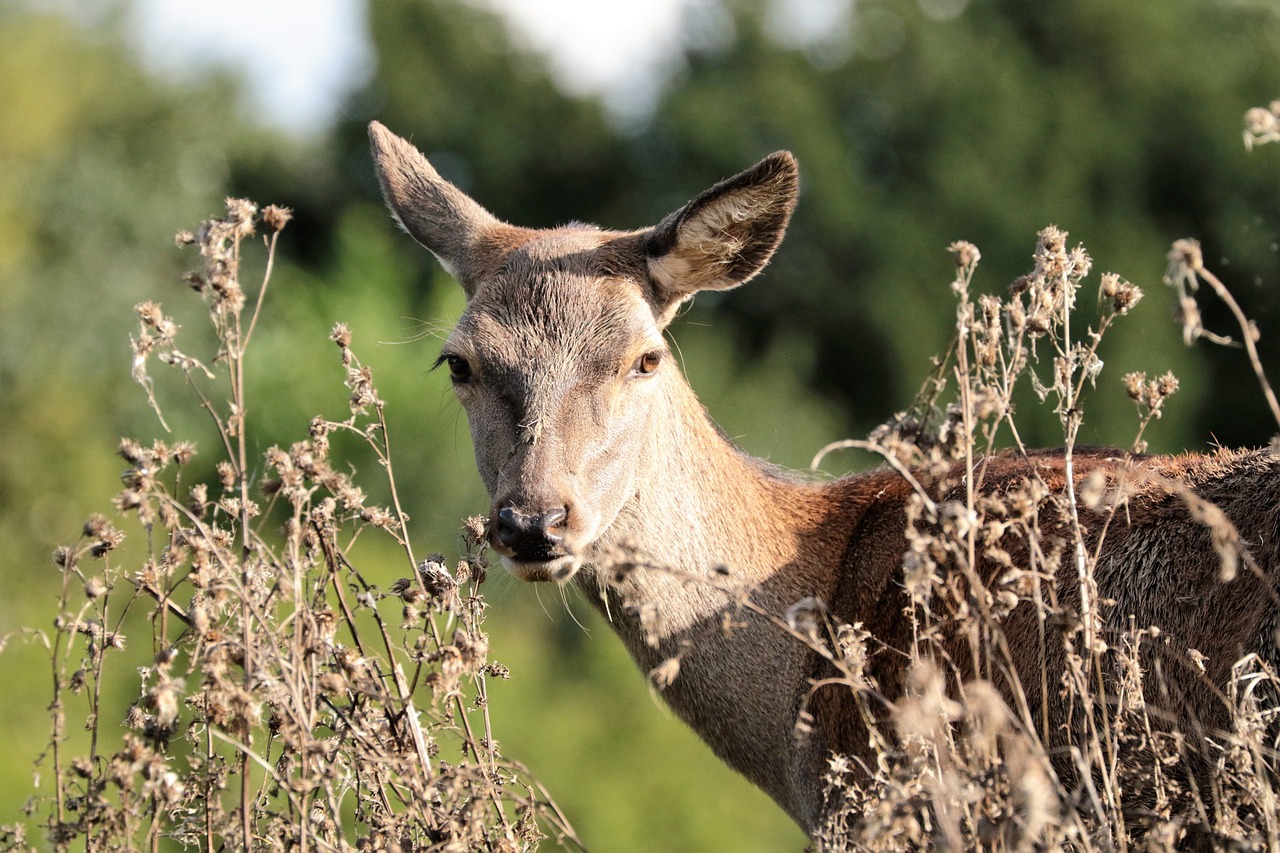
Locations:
column 568, row 608
column 425, row 329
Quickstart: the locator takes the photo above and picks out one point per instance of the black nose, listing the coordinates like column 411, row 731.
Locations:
column 531, row 537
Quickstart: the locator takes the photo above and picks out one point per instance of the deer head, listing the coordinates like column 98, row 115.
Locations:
column 559, row 358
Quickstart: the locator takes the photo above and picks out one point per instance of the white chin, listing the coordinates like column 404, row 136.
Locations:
column 558, row 570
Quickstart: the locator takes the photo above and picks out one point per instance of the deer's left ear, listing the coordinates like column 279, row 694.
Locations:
column 724, row 236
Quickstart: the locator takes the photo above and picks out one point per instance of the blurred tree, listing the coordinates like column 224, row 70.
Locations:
column 922, row 121
column 100, row 163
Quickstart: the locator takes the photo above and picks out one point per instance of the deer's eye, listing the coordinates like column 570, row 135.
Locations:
column 459, row 368
column 648, row 363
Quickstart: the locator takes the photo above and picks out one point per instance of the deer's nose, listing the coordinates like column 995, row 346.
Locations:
column 531, row 537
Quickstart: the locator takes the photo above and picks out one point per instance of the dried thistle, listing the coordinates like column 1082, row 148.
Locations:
column 1262, row 125
column 253, row 592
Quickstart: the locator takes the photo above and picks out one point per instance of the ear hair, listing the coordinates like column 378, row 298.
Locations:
column 726, row 235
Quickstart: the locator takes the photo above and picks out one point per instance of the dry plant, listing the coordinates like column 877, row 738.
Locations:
column 966, row 758
column 285, row 702
column 1262, row 125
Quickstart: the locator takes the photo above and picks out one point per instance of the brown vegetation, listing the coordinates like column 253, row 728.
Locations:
column 285, row 702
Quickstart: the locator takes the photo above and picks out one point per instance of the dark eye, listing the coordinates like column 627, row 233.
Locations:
column 647, row 363
column 459, row 368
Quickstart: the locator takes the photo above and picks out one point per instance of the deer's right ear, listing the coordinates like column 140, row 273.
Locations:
column 437, row 214
column 726, row 235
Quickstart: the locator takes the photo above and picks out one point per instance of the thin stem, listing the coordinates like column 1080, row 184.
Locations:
column 262, row 291
column 384, row 455
column 894, row 463
column 1248, row 331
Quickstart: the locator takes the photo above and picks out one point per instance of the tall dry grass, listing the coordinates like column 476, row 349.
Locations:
column 966, row 758
column 284, row 701
column 967, row 762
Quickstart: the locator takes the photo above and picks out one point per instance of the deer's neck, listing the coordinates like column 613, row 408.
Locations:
column 704, row 515
column 707, row 525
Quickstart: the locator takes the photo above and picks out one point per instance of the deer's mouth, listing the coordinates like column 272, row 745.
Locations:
column 536, row 545
column 553, row 570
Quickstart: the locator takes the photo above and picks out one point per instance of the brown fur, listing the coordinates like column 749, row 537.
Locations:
column 556, row 326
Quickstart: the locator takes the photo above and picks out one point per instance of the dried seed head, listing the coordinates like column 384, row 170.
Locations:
column 183, row 452
column 406, row 590
column 135, row 718
column 1186, row 254
column 129, row 500
column 965, row 254
column 1051, row 254
column 1133, row 383
column 95, row 525
column 378, row 517
column 476, row 530
column 664, row 674
column 149, row 313
column 276, row 217
column 435, row 577
column 1262, row 125
column 198, row 499
column 1079, row 262
column 363, row 392
column 240, row 214
column 164, row 700
column 107, row 540
column 1150, row 395
column 227, row 475
column 94, row 588
column 133, row 453
column 1121, row 295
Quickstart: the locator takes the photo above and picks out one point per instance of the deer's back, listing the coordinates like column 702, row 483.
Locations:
column 1159, row 562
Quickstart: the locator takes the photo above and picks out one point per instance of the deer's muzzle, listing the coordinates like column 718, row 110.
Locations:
column 530, row 537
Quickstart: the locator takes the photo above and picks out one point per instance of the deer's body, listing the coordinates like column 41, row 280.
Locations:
column 597, row 454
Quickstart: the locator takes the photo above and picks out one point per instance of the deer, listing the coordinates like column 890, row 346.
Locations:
column 591, row 444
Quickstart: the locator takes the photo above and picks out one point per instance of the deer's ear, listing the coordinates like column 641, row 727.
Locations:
column 459, row 232
column 724, row 236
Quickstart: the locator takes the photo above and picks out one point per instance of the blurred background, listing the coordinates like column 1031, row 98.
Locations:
column 916, row 123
